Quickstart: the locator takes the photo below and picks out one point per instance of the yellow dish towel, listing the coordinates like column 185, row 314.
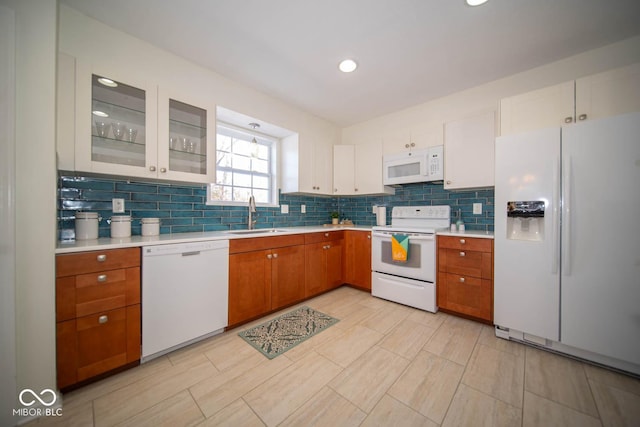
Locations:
column 400, row 247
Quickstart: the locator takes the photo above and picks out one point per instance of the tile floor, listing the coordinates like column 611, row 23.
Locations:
column 383, row 364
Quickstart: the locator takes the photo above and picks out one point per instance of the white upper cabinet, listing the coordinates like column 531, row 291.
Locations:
column 116, row 119
column 307, row 166
column 344, row 158
column 368, row 170
column 415, row 137
column 357, row 170
column 542, row 108
column 186, row 137
column 469, row 152
column 600, row 95
column 608, row 94
column 124, row 128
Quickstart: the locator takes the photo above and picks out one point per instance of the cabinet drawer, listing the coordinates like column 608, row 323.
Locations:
column 465, row 243
column 95, row 261
column 91, row 293
column 327, row 236
column 465, row 262
column 467, row 295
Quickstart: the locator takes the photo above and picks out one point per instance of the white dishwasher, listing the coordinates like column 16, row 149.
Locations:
column 185, row 293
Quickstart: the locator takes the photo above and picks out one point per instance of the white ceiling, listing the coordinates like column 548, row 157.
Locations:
column 408, row 51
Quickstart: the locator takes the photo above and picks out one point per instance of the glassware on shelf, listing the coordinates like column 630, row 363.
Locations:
column 102, row 129
column 119, row 130
column 131, row 134
column 192, row 147
column 173, row 143
column 185, row 143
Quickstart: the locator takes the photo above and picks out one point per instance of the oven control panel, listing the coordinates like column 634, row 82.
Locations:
column 418, row 212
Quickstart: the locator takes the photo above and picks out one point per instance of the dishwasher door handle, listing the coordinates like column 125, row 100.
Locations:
column 191, row 253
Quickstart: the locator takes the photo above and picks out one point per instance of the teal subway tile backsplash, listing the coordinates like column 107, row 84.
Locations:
column 182, row 208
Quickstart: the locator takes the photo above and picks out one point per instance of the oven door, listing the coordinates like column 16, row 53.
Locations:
column 420, row 264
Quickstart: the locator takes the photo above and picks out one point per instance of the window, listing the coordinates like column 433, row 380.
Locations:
column 245, row 165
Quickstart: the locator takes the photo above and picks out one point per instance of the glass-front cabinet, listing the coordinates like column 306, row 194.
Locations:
column 118, row 128
column 128, row 126
column 186, row 136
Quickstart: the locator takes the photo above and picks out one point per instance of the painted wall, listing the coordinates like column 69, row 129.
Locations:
column 8, row 392
column 35, row 195
column 423, row 123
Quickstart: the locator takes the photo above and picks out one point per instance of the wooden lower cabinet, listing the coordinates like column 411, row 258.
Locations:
column 249, row 285
column 98, row 343
column 324, row 266
column 287, row 276
column 465, row 276
column 358, row 259
column 264, row 280
column 98, row 323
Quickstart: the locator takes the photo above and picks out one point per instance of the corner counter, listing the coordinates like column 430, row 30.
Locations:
column 468, row 233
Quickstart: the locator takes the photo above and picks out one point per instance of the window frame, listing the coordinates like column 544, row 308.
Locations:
column 273, row 145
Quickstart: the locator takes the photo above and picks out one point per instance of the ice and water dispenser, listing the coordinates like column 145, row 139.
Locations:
column 525, row 220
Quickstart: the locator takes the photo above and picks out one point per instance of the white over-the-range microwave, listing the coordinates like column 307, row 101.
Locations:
column 414, row 166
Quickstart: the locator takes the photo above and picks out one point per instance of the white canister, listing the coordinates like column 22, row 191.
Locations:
column 150, row 226
column 87, row 225
column 120, row 226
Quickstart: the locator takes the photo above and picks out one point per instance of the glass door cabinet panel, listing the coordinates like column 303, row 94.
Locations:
column 186, row 135
column 187, row 138
column 117, row 122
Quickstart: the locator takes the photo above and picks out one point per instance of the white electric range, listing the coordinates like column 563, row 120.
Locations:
column 411, row 282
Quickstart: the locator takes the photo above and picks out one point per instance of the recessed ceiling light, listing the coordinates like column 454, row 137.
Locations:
column 476, row 2
column 107, row 82
column 348, row 65
column 100, row 113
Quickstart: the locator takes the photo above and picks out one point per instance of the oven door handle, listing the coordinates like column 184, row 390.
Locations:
column 412, row 237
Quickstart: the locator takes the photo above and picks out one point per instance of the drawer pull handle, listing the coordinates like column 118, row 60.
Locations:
column 462, row 280
column 275, row 255
column 269, row 256
column 103, row 319
column 101, row 258
column 102, row 278
column 326, row 234
column 462, row 254
column 462, row 241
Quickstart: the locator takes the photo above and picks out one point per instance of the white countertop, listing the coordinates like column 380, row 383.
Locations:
column 468, row 233
column 65, row 247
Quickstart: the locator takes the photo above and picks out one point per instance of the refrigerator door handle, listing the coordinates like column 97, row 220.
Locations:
column 566, row 217
column 555, row 219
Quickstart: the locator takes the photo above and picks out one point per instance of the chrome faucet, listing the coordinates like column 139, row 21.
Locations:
column 252, row 209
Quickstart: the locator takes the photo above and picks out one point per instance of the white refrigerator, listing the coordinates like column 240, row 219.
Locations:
column 567, row 239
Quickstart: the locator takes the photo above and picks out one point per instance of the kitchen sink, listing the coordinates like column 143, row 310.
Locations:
column 256, row 231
